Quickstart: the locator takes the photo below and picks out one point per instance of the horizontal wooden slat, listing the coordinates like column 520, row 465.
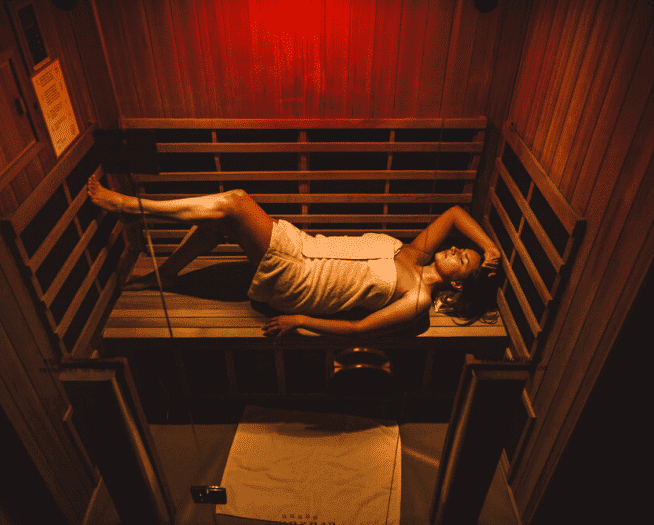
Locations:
column 563, row 210
column 333, row 218
column 517, row 288
column 315, row 147
column 536, row 279
column 256, row 332
column 310, row 175
column 59, row 228
column 122, row 320
column 87, row 283
column 312, row 198
column 70, row 263
column 28, row 209
column 534, row 223
column 511, row 326
column 390, row 218
column 179, row 234
column 221, row 316
column 522, row 300
column 305, row 124
column 91, row 325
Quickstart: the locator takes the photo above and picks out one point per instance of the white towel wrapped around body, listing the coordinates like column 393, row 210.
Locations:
column 324, row 275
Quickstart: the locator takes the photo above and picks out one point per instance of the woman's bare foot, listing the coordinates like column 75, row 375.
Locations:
column 104, row 198
column 147, row 281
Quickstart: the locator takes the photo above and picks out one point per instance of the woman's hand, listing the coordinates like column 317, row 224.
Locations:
column 278, row 326
column 492, row 258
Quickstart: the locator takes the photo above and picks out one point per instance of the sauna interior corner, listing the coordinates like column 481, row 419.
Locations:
column 566, row 85
column 212, row 359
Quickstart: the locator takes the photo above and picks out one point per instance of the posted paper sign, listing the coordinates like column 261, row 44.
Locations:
column 56, row 106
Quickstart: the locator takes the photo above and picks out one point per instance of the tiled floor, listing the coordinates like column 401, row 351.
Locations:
column 197, row 456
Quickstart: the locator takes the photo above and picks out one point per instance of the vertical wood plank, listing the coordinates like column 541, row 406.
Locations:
column 571, row 75
column 617, row 98
column 384, row 70
column 117, row 56
column 57, row 33
column 312, row 66
column 412, row 41
column 78, row 88
column 591, row 57
column 540, row 26
column 530, row 119
column 267, row 59
column 459, row 58
column 164, row 55
column 237, row 57
column 362, row 42
column 434, row 61
column 576, row 18
column 335, row 37
column 292, row 35
column 482, row 62
column 514, row 15
column 189, row 57
column 94, row 65
column 620, row 38
column 137, row 39
column 209, row 37
column 303, row 165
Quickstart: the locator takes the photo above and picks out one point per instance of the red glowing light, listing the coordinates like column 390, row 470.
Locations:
column 291, row 18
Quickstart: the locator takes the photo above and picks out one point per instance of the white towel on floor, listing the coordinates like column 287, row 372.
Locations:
column 304, row 467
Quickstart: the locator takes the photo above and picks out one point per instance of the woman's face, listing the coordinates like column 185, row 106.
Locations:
column 456, row 264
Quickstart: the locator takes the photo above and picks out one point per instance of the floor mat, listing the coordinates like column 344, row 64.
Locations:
column 313, row 468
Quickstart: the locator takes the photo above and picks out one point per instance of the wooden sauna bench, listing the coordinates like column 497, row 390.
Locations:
column 328, row 176
column 194, row 313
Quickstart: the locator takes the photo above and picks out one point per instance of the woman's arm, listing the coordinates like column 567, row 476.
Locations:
column 456, row 217
column 405, row 309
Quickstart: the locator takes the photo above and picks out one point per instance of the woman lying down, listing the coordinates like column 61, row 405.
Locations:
column 308, row 277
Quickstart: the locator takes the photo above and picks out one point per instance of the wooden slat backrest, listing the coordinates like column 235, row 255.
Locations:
column 538, row 233
column 67, row 249
column 329, row 176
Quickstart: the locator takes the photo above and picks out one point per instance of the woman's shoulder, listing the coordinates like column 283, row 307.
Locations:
column 413, row 255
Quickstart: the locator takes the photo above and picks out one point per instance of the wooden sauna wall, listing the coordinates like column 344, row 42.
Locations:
column 307, row 58
column 71, row 37
column 337, row 59
column 31, row 395
column 584, row 104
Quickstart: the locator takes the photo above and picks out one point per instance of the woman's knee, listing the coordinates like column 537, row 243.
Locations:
column 230, row 202
column 242, row 202
column 238, row 194
column 237, row 198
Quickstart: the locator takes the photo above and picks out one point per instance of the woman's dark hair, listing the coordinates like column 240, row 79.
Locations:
column 477, row 299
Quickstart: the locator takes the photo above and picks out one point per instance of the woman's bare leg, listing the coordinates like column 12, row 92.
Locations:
column 235, row 209
column 193, row 209
column 201, row 239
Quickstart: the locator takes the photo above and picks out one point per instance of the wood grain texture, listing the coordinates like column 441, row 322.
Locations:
column 327, row 58
column 556, row 78
column 591, row 130
column 141, row 314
